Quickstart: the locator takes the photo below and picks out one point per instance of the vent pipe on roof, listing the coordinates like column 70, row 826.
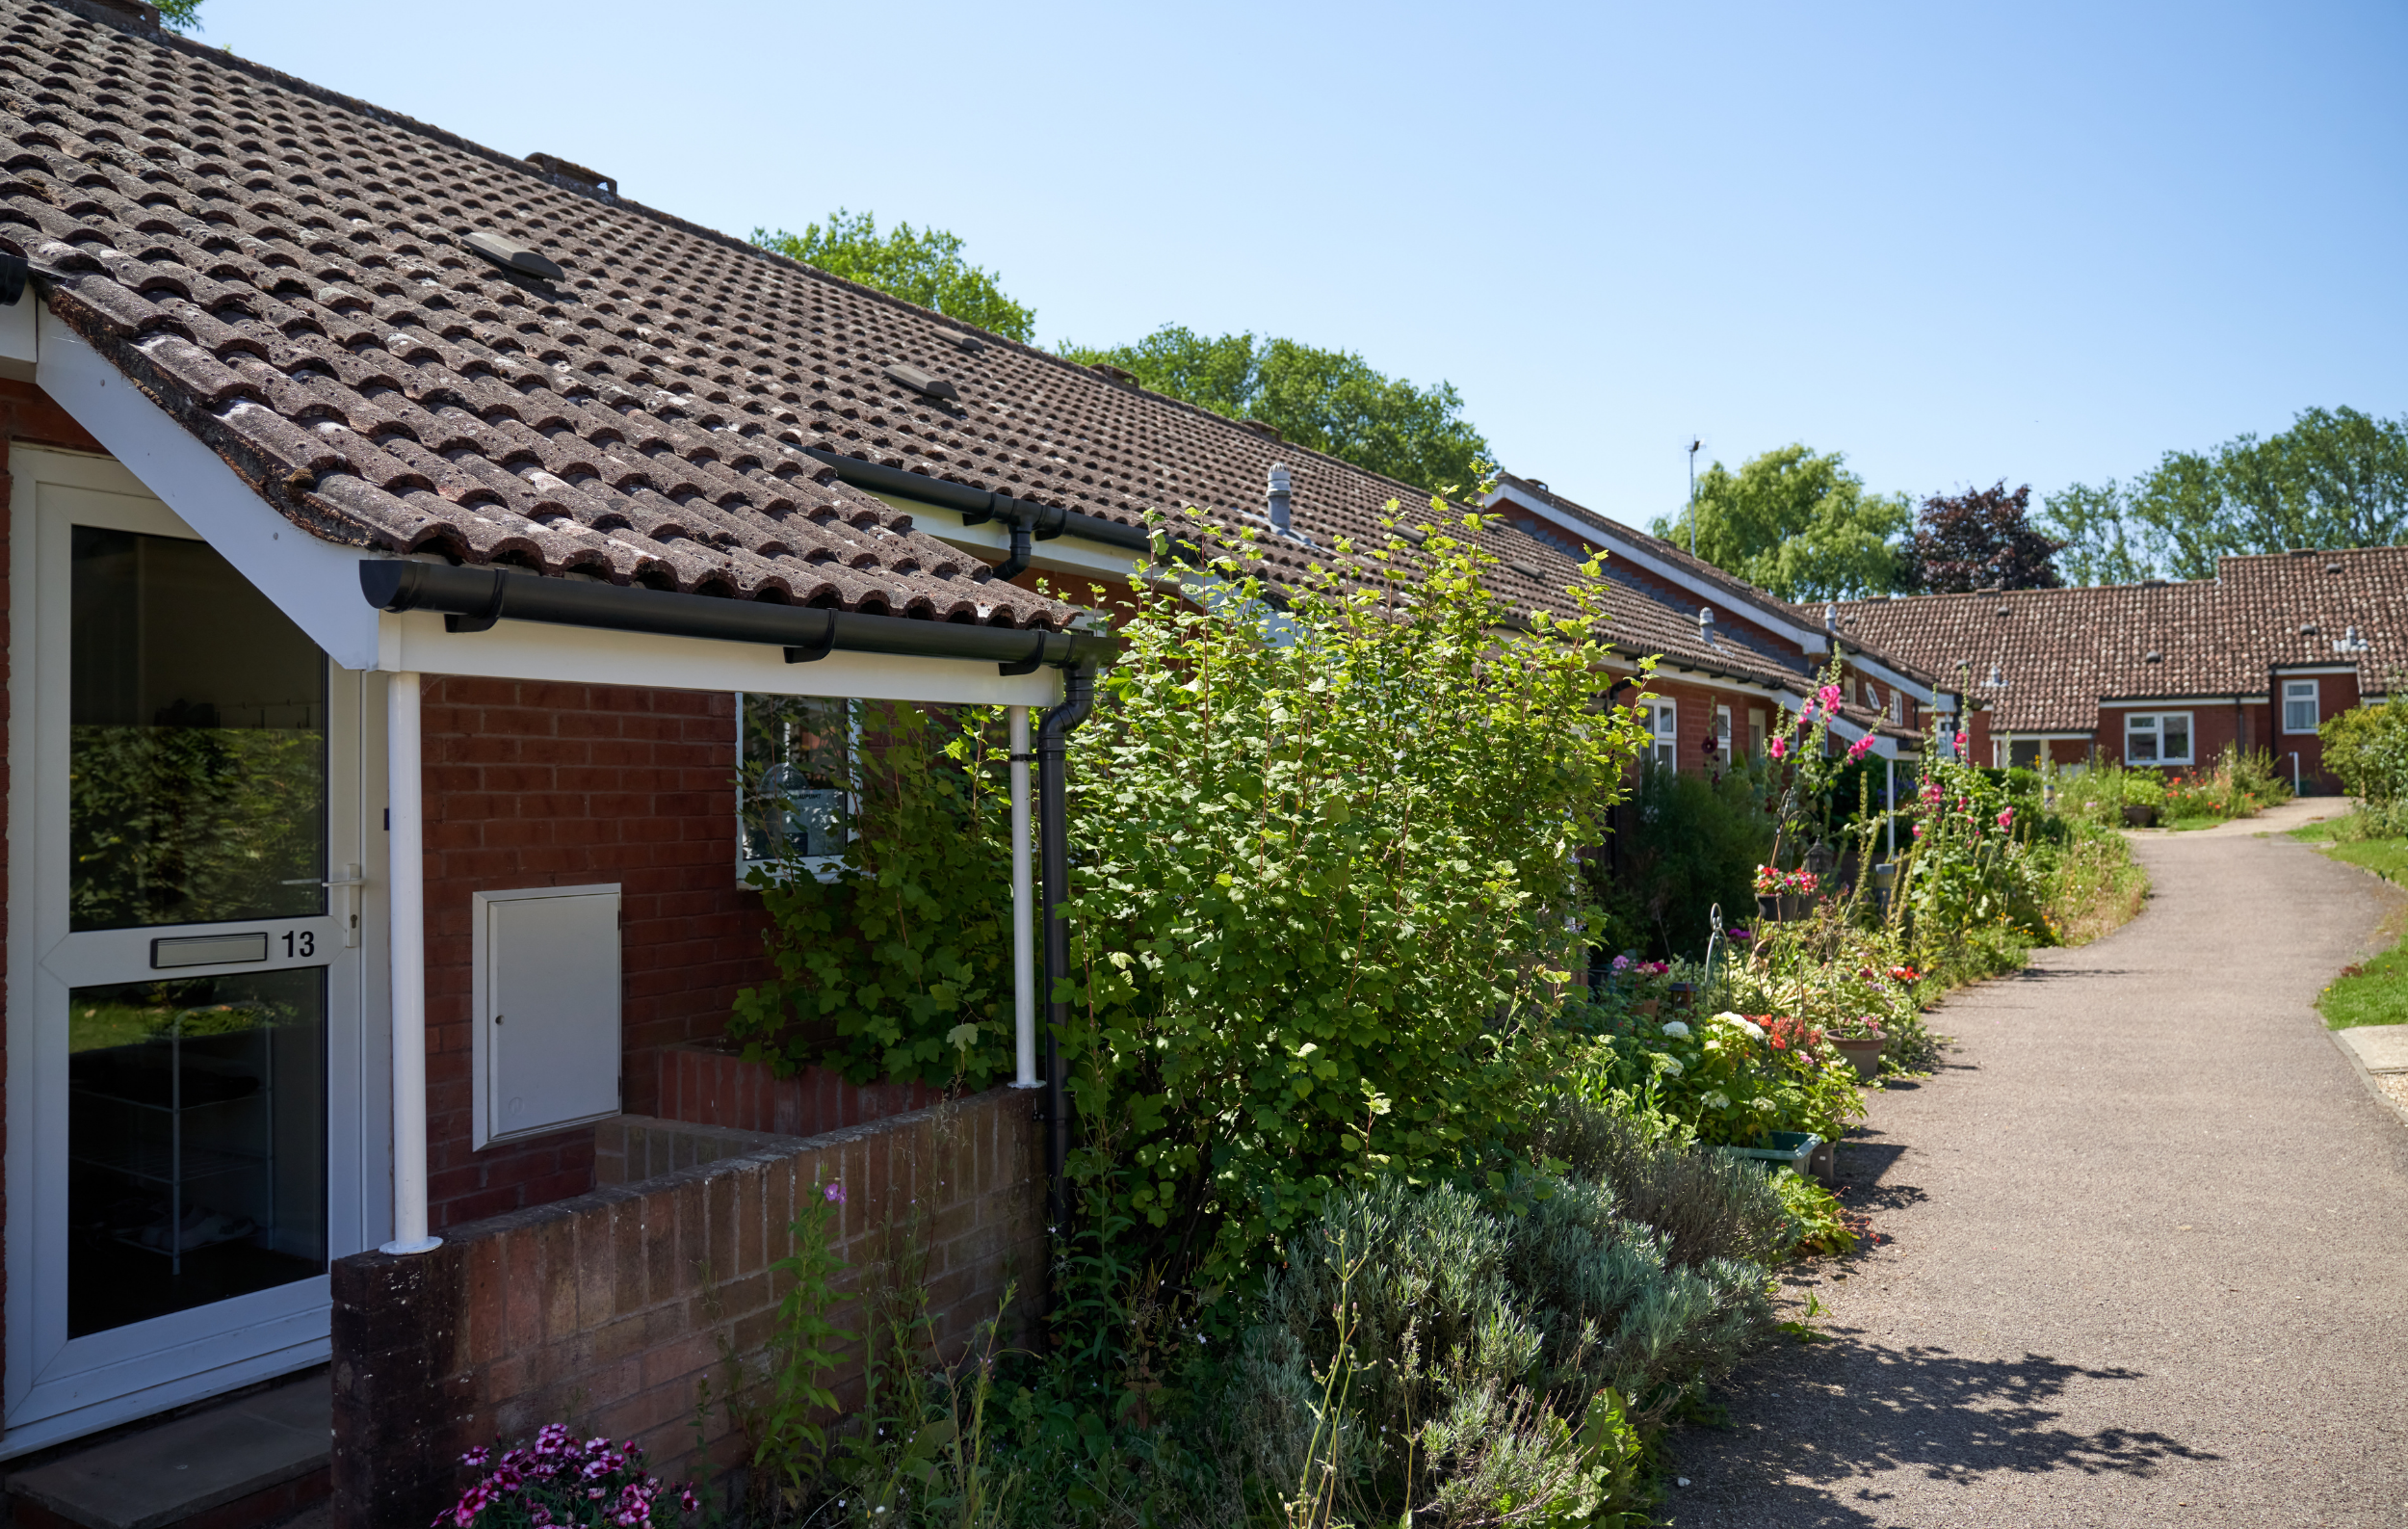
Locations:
column 1280, row 501
column 1705, row 623
column 1831, row 620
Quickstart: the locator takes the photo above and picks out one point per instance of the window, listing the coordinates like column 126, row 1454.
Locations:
column 2299, row 705
column 1756, row 729
column 2023, row 754
column 1722, row 732
column 1661, row 719
column 1897, row 707
column 794, row 801
column 2156, row 737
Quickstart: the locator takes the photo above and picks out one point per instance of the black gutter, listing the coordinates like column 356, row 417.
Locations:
column 1054, row 852
column 1029, row 520
column 473, row 599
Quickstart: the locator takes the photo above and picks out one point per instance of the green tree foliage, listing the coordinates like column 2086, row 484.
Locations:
column 1690, row 841
column 1797, row 522
column 1979, row 540
column 2337, row 478
column 919, row 265
column 184, row 16
column 1330, row 401
column 2367, row 748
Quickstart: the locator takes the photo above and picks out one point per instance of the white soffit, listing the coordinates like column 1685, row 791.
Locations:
column 1054, row 555
column 317, row 583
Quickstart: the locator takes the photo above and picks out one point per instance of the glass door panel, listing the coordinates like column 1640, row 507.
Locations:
column 196, row 1141
column 198, row 770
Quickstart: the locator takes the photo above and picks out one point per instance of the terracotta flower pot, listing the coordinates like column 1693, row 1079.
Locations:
column 1864, row 1055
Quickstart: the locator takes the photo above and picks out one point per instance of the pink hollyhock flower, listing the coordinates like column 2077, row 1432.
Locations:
column 1830, row 696
column 1960, row 745
column 1780, row 748
column 2007, row 818
column 1859, row 749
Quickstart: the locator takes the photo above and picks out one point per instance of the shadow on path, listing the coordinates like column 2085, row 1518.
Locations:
column 1851, row 1407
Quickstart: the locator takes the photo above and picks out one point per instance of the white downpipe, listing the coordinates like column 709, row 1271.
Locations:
column 1889, row 799
column 405, row 848
column 1023, row 909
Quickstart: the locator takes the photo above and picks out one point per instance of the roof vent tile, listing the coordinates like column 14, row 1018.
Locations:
column 512, row 256
column 920, row 381
column 569, row 170
column 1118, row 374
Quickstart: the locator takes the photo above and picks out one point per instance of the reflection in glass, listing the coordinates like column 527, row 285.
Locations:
column 794, row 799
column 195, row 1143
column 197, row 742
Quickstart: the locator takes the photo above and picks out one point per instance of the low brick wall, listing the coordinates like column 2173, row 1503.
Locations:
column 607, row 1310
column 712, row 1085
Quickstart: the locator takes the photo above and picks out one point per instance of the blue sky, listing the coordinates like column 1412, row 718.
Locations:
column 2037, row 242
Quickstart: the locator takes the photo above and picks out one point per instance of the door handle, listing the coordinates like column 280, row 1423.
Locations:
column 348, row 883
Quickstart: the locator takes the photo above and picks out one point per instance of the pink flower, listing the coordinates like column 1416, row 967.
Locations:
column 1780, row 748
column 1859, row 749
column 2007, row 818
column 836, row 1194
column 1830, row 696
column 1960, row 745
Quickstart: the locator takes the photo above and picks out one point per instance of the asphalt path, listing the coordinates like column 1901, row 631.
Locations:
column 2148, row 1256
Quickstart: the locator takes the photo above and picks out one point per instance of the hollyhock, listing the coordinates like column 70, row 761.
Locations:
column 1859, row 749
column 1780, row 748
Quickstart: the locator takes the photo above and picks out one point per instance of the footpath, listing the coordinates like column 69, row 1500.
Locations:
column 2148, row 1256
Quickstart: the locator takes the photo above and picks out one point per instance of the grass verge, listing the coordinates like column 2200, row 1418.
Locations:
column 2373, row 992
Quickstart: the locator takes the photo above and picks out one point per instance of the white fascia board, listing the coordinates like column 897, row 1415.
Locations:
column 2043, row 737
column 1811, row 639
column 19, row 336
column 2121, row 702
column 1891, row 676
column 583, row 655
column 314, row 582
column 1055, row 555
column 2304, row 671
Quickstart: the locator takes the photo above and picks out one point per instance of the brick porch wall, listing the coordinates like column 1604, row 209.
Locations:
column 532, row 785
column 595, row 1311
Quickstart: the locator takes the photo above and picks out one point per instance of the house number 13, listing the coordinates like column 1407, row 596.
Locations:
column 299, row 942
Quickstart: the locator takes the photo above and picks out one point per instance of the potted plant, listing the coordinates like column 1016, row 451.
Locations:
column 1781, row 894
column 1860, row 1039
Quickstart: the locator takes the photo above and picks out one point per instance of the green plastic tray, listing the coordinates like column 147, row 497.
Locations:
column 1780, row 1147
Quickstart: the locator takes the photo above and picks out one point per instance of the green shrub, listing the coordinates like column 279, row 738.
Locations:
column 1708, row 1205
column 1729, row 1078
column 2367, row 748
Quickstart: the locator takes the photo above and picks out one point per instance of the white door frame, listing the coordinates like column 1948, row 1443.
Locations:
column 55, row 1388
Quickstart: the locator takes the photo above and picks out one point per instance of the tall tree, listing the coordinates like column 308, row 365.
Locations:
column 2337, row 478
column 1332, row 401
column 1797, row 522
column 1981, row 539
column 184, row 16
column 919, row 265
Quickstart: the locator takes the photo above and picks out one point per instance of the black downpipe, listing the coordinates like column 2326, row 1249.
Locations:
column 1052, row 833
column 1021, row 546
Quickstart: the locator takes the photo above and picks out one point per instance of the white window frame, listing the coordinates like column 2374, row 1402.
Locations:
column 1663, row 726
column 823, row 867
column 2302, row 689
column 1722, row 733
column 2155, row 732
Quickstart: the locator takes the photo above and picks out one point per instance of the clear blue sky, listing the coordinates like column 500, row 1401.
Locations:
column 2045, row 243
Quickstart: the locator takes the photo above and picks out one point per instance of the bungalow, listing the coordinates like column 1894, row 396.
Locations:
column 2166, row 673
column 374, row 894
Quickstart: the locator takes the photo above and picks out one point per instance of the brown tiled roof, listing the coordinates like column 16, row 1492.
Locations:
column 2059, row 652
column 283, row 269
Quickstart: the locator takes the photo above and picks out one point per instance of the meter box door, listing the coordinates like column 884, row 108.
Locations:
column 546, row 1010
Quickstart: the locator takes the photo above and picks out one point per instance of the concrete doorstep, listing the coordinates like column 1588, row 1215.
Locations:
column 2378, row 1048
column 257, row 1459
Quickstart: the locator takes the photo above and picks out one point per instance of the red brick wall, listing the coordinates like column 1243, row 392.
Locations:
column 597, row 1310
column 26, row 415
column 533, row 785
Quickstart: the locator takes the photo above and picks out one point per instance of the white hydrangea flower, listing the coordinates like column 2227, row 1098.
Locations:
column 1670, row 1067
column 1716, row 1100
column 1675, row 1029
column 1742, row 1022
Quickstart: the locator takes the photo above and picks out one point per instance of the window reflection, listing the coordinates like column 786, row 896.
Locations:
column 197, row 742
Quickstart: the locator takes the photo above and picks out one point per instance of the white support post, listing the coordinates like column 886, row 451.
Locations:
column 1023, row 909
column 1889, row 797
column 404, row 849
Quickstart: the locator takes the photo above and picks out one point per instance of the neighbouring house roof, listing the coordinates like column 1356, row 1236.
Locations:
column 2061, row 653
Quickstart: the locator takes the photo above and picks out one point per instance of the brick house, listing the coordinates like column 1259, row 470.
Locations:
column 2168, row 672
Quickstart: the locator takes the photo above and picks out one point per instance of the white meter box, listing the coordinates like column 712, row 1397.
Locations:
column 546, row 1010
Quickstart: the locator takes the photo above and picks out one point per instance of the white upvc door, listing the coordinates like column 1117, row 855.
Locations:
column 194, row 1036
